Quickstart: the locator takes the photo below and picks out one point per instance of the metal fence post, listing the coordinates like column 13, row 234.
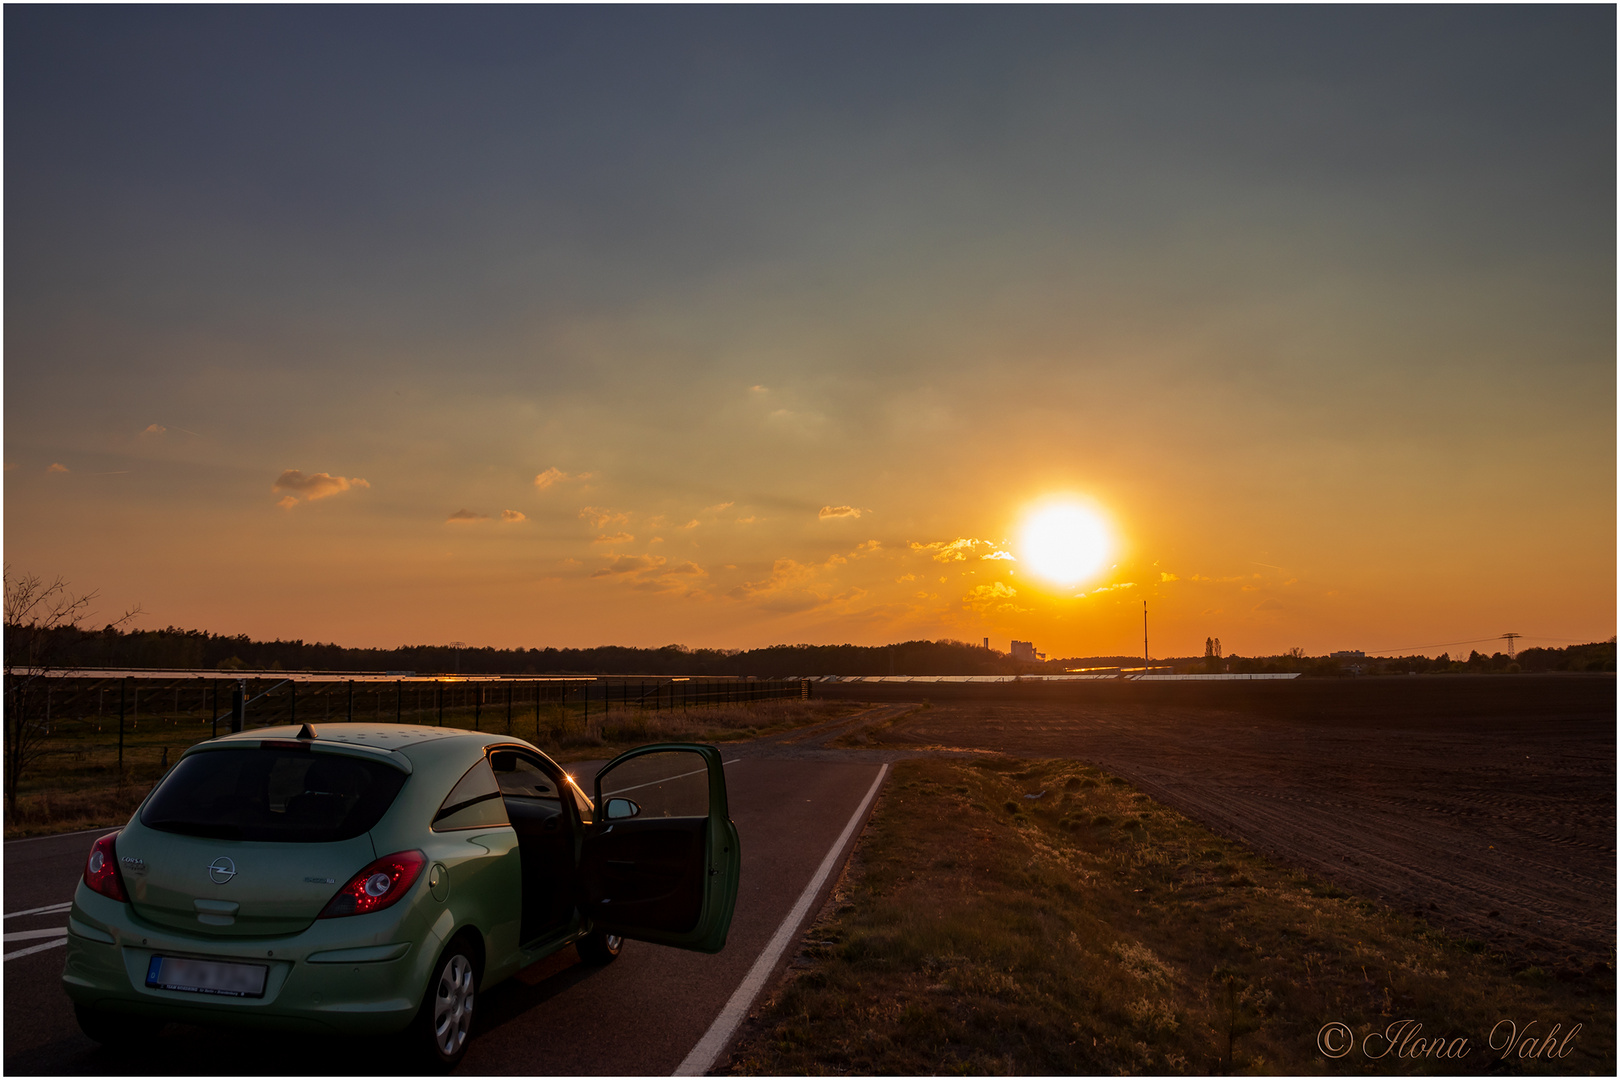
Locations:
column 292, row 703
column 351, row 701
column 123, row 684
column 478, row 708
column 399, row 701
column 238, row 706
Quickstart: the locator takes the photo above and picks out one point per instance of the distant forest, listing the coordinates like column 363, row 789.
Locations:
column 175, row 648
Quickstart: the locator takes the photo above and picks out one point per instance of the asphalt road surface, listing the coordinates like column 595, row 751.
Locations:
column 644, row 1014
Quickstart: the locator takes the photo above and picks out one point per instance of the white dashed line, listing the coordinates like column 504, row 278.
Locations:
column 35, row 949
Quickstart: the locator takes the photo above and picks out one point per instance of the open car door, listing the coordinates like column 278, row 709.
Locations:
column 661, row 862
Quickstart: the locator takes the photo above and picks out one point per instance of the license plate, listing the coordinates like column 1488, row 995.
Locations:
column 207, row 976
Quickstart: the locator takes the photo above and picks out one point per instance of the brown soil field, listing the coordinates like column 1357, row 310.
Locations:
column 1485, row 805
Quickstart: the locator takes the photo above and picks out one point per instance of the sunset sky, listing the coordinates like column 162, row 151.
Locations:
column 739, row 326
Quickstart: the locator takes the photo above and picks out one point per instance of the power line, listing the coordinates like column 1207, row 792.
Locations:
column 1475, row 641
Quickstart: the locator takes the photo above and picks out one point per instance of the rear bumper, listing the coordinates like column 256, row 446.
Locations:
column 343, row 976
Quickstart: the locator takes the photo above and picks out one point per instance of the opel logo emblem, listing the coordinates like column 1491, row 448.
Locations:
column 221, row 870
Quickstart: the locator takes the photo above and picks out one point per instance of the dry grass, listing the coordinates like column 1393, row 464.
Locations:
column 79, row 785
column 1086, row 930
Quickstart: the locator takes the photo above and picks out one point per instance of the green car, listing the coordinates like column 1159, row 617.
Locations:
column 371, row 879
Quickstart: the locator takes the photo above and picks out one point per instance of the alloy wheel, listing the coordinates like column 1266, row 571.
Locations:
column 453, row 1005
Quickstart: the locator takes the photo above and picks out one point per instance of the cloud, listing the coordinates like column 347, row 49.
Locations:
column 56, row 466
column 599, row 517
column 749, row 520
column 314, row 486
column 759, row 389
column 630, row 564
column 654, row 573
column 512, row 517
column 869, row 547
column 826, row 513
column 995, row 597
column 718, row 507
column 287, row 502
column 154, row 429
column 691, row 524
column 959, row 550
column 1268, row 605
column 1109, row 588
column 1164, row 577
column 615, row 538
column 465, row 515
column 554, row 476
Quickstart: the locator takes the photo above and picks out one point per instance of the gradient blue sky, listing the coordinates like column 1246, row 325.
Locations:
column 1318, row 304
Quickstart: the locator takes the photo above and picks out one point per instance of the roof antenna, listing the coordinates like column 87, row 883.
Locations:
column 305, row 732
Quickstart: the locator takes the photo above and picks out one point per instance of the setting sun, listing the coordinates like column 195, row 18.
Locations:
column 1064, row 543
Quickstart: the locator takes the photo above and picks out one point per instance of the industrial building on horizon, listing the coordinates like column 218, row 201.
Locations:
column 1025, row 650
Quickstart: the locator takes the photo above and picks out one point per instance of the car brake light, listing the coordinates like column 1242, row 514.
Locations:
column 377, row 886
column 101, row 869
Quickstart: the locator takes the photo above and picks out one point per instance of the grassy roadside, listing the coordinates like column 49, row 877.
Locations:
column 978, row 930
column 79, row 785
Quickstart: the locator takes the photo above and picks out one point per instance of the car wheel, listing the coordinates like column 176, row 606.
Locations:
column 599, row 947
column 444, row 1023
column 114, row 1029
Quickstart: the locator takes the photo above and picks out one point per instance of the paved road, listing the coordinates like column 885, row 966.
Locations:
column 642, row 1015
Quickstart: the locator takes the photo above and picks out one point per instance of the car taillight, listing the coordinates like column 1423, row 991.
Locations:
column 377, row 886
column 101, row 870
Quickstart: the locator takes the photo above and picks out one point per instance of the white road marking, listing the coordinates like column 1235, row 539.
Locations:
column 35, row 949
column 714, row 1042
column 49, row 909
column 34, row 935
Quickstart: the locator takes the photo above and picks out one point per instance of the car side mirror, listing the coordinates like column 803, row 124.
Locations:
column 619, row 809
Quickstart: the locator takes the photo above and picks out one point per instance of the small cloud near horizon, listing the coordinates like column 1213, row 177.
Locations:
column 154, row 429
column 598, row 517
column 512, row 517
column 826, row 513
column 56, row 466
column 615, row 538
column 287, row 502
column 314, row 486
column 554, row 476
column 465, row 515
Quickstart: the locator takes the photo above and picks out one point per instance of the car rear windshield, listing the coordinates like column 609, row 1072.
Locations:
column 293, row 796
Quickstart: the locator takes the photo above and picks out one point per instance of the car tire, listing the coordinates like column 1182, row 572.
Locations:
column 443, row 1025
column 599, row 947
column 113, row 1029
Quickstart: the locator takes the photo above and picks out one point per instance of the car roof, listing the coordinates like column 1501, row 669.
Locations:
column 412, row 739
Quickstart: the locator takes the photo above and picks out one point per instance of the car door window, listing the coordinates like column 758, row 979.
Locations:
column 474, row 803
column 662, row 785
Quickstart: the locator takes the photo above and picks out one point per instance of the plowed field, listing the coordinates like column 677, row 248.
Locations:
column 1484, row 804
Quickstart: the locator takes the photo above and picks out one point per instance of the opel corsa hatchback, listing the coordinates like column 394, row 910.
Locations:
column 373, row 879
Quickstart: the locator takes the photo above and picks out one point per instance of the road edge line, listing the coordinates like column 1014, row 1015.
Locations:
column 714, row 1042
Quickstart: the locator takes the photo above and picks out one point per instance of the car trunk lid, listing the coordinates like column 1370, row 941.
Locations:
column 234, row 888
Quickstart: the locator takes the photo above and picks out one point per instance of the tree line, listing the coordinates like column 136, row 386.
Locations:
column 172, row 647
